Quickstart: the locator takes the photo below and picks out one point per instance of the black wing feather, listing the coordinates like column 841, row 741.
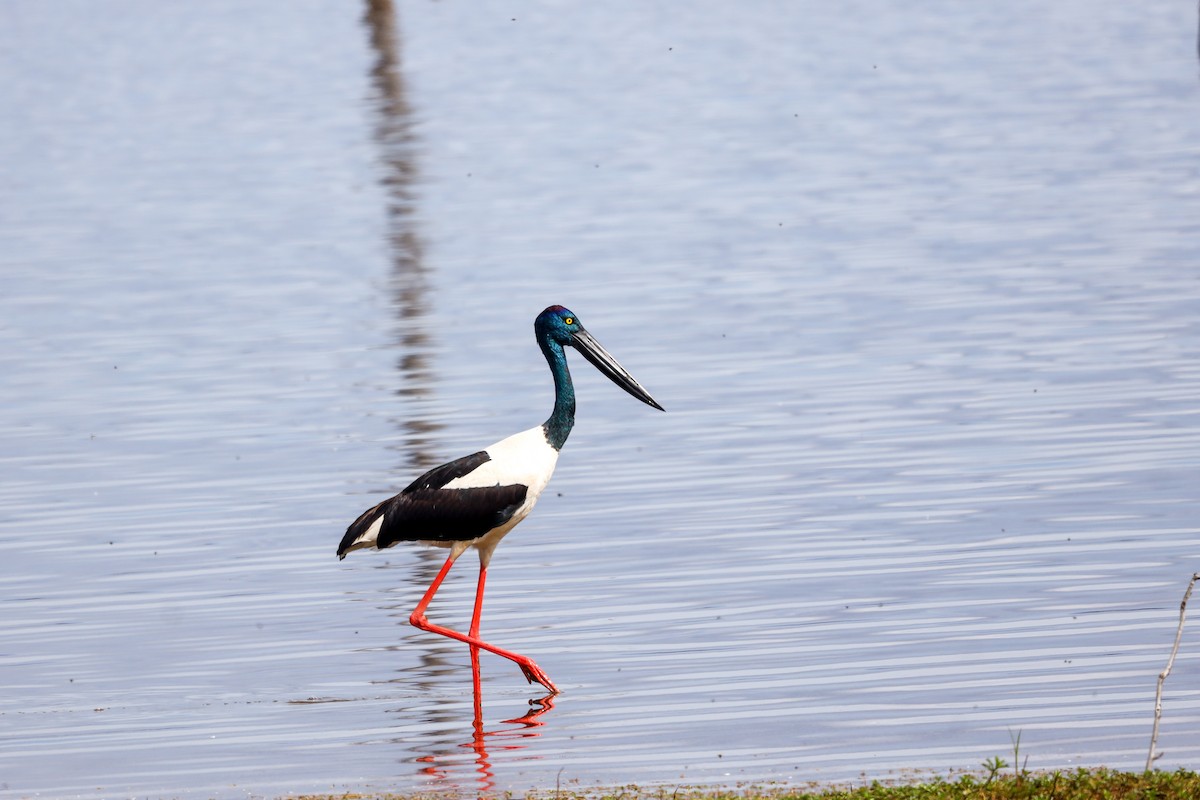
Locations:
column 438, row 477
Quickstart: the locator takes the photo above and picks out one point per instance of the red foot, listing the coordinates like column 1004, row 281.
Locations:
column 534, row 674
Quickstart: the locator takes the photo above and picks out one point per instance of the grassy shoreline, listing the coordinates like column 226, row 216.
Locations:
column 1080, row 784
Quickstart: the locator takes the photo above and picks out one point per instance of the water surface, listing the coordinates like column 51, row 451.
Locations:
column 918, row 287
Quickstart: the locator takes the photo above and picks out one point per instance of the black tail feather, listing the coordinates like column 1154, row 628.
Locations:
column 359, row 527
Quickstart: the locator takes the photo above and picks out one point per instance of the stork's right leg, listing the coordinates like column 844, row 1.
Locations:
column 531, row 670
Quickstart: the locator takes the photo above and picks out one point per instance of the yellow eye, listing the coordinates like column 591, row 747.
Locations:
column 569, row 320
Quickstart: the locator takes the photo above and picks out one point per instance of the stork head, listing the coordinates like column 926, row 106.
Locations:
column 561, row 326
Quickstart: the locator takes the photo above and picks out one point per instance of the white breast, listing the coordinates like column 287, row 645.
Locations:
column 525, row 458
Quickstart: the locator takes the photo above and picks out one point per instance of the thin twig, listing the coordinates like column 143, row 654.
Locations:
column 1162, row 676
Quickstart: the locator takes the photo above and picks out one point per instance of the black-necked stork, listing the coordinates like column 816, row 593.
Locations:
column 475, row 500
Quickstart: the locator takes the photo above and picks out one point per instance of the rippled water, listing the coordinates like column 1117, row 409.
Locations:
column 917, row 285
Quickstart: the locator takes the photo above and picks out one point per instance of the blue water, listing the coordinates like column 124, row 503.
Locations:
column 918, row 286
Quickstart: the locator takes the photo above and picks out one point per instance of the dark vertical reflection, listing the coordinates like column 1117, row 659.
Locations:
column 397, row 143
column 397, row 151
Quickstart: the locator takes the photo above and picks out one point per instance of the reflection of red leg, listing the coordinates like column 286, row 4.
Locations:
column 478, row 737
column 530, row 720
column 532, row 671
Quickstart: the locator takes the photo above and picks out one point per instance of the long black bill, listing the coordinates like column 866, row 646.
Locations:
column 602, row 360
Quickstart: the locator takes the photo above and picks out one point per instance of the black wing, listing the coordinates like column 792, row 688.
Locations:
column 425, row 510
column 449, row 515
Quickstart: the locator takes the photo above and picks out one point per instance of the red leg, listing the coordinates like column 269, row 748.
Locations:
column 475, row 617
column 476, row 680
column 531, row 670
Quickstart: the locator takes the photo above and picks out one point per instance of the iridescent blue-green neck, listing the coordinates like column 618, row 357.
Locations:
column 562, row 419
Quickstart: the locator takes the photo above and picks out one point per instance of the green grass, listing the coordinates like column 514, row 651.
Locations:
column 1083, row 784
